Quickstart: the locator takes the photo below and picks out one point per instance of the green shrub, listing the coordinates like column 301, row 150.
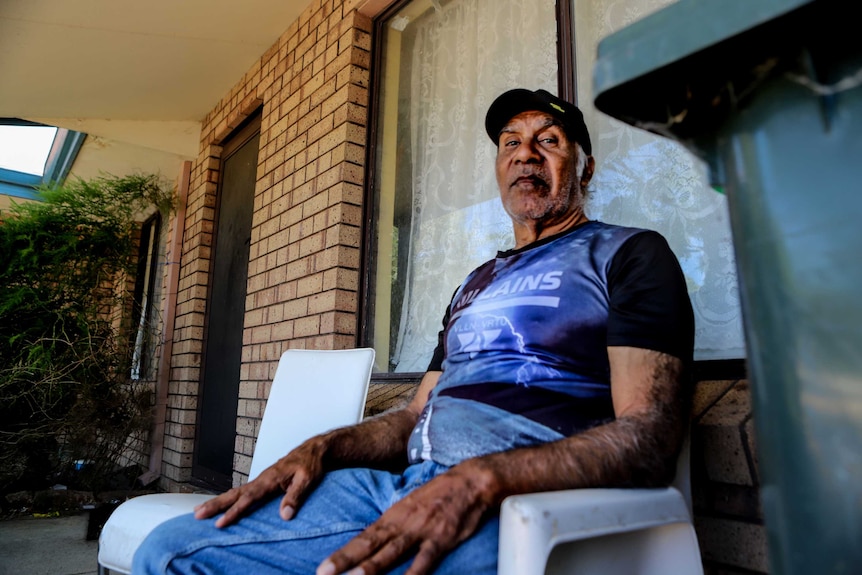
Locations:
column 65, row 390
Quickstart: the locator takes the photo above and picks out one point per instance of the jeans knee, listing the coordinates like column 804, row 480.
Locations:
column 160, row 546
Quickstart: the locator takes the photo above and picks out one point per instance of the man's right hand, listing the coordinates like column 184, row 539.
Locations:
column 377, row 441
column 295, row 475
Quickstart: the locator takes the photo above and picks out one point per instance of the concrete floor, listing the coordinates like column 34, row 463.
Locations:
column 49, row 546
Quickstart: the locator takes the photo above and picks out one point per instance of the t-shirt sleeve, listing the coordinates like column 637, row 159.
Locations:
column 649, row 302
column 436, row 363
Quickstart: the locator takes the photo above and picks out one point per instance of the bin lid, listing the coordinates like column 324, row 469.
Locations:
column 665, row 73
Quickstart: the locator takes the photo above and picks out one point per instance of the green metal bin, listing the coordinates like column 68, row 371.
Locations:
column 769, row 93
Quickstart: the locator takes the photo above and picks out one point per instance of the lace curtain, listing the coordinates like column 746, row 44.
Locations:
column 647, row 181
column 462, row 55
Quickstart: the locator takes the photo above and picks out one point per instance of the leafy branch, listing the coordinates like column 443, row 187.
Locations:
column 65, row 352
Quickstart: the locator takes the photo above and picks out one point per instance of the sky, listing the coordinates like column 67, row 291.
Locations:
column 25, row 148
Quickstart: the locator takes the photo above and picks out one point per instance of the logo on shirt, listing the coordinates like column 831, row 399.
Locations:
column 495, row 297
column 476, row 340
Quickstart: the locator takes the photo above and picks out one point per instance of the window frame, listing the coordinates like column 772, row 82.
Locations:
column 144, row 297
column 64, row 151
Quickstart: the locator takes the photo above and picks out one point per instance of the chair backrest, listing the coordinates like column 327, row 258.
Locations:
column 313, row 391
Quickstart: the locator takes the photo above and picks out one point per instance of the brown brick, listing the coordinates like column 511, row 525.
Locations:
column 307, row 326
column 298, row 269
column 320, row 129
column 338, row 135
column 721, row 432
column 283, row 331
column 309, row 285
column 343, row 235
column 330, row 177
column 311, row 244
column 733, row 542
column 340, row 278
column 321, row 302
column 296, row 308
column 261, row 334
column 345, row 192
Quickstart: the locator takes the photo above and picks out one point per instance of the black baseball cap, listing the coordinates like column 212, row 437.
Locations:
column 510, row 104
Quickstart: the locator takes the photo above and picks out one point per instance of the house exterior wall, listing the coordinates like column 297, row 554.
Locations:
column 6, row 202
column 312, row 89
column 304, row 270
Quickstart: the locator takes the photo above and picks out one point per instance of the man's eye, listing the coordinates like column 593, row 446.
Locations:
column 549, row 140
column 511, row 143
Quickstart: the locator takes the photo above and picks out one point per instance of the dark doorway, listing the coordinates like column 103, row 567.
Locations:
column 217, row 409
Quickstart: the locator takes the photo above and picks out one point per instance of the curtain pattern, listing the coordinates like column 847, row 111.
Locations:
column 652, row 182
column 463, row 55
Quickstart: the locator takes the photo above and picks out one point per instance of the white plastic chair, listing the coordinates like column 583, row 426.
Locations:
column 313, row 391
column 602, row 531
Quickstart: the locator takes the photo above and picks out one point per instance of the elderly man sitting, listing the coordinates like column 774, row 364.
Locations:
column 560, row 365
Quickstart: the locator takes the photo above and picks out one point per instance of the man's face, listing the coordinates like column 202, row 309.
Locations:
column 537, row 170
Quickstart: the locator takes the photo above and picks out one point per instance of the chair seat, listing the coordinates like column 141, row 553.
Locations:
column 132, row 521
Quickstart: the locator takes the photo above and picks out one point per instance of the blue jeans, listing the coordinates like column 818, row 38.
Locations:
column 262, row 543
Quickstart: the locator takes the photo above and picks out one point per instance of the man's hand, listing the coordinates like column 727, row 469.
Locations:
column 295, row 475
column 432, row 520
column 377, row 441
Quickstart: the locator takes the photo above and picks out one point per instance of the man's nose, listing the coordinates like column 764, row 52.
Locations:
column 528, row 153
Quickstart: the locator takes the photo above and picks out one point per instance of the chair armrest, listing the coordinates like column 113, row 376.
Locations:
column 532, row 524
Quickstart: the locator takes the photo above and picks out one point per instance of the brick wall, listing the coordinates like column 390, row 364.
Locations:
column 725, row 482
column 312, row 89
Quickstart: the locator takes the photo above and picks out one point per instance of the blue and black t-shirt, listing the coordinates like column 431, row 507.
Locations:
column 523, row 348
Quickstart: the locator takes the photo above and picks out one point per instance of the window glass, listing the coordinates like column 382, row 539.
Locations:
column 33, row 154
column 25, row 149
column 652, row 182
column 437, row 214
column 144, row 313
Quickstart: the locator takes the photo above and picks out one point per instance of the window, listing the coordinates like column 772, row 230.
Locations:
column 144, row 318
column 651, row 182
column 436, row 209
column 32, row 154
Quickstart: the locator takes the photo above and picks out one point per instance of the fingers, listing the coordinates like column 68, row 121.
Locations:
column 295, row 492
column 233, row 503
column 427, row 557
column 216, row 505
column 236, row 510
column 368, row 554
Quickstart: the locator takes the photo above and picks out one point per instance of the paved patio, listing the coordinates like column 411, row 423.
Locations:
column 47, row 546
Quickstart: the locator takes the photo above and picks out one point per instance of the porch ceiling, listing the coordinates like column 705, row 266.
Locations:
column 161, row 63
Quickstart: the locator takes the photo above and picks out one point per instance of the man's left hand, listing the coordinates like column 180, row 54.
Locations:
column 432, row 520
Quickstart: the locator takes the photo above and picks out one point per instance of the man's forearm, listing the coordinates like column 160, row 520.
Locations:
column 617, row 454
column 638, row 449
column 380, row 442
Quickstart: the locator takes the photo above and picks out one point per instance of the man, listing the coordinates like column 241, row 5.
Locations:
column 561, row 365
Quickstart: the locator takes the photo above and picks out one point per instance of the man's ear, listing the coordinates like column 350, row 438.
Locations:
column 587, row 175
